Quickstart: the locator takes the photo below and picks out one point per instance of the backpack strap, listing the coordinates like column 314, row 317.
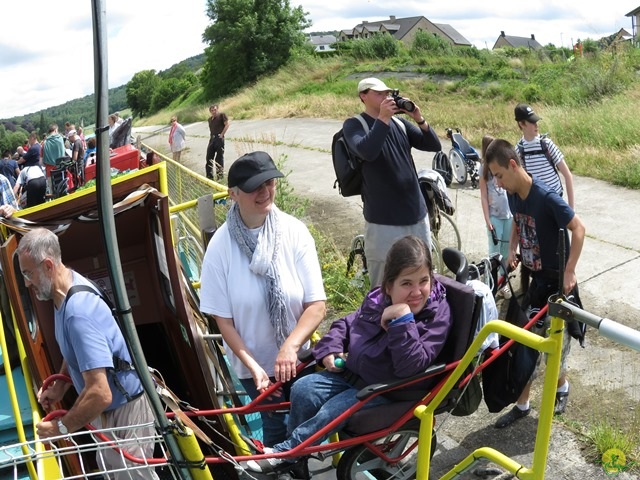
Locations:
column 544, row 145
column 544, row 149
column 119, row 364
column 365, row 125
column 400, row 123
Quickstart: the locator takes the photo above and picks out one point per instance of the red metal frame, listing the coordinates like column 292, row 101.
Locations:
column 307, row 448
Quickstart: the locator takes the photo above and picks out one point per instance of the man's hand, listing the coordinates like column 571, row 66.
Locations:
column 569, row 281
column 416, row 114
column 48, row 429
column 7, row 211
column 53, row 394
column 388, row 109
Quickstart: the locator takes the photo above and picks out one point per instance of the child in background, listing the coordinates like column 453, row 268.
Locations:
column 497, row 215
column 534, row 149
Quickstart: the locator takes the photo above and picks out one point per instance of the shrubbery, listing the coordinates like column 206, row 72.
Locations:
column 377, row 47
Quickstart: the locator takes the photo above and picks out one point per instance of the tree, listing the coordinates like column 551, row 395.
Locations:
column 140, row 90
column 247, row 39
column 166, row 92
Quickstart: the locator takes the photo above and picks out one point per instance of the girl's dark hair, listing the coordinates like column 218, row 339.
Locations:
column 486, row 141
column 408, row 252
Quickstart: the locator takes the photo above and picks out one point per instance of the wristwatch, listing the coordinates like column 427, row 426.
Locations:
column 63, row 430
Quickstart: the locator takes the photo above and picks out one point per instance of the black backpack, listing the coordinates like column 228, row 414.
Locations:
column 346, row 164
column 442, row 165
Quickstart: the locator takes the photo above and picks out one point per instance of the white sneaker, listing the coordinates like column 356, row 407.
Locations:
column 266, row 465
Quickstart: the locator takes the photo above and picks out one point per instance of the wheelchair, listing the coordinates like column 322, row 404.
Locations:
column 464, row 158
column 378, row 441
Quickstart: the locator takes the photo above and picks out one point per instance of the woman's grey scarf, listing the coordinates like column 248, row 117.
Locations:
column 263, row 254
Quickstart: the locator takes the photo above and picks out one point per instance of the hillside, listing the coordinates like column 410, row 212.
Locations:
column 82, row 111
column 588, row 105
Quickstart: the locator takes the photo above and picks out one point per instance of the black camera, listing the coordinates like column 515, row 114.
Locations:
column 402, row 102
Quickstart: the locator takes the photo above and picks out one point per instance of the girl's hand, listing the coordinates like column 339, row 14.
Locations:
column 392, row 312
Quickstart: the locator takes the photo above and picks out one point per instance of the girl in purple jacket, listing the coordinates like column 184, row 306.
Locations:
column 398, row 331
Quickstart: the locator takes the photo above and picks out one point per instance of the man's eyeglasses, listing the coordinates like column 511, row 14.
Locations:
column 28, row 274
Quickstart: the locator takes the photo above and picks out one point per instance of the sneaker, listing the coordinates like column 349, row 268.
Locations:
column 267, row 465
column 511, row 416
column 561, row 402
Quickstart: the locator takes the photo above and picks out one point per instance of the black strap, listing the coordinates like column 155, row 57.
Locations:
column 119, row 364
column 544, row 150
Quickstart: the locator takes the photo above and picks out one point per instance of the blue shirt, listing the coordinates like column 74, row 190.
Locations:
column 7, row 196
column 32, row 157
column 538, row 219
column 89, row 337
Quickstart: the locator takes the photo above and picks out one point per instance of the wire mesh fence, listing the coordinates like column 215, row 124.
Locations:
column 91, row 453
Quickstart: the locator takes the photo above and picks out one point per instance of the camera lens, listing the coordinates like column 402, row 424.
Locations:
column 405, row 104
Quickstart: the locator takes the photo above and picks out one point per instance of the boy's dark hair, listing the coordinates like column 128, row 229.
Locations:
column 501, row 151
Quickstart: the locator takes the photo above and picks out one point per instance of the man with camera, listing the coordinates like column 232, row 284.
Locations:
column 393, row 203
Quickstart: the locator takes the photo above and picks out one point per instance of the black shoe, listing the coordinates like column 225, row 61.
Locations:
column 300, row 469
column 561, row 402
column 511, row 416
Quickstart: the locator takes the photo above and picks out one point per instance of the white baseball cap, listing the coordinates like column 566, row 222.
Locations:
column 372, row 84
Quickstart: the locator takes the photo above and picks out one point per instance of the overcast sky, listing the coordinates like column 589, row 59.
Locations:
column 46, row 48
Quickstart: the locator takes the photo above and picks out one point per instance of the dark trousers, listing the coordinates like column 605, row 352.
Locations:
column 215, row 156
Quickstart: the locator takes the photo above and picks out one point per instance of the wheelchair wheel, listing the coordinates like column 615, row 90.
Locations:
column 448, row 234
column 360, row 463
column 357, row 250
column 458, row 166
column 436, row 255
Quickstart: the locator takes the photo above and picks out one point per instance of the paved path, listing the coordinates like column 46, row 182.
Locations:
column 606, row 272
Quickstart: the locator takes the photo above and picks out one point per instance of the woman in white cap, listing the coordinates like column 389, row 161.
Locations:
column 262, row 283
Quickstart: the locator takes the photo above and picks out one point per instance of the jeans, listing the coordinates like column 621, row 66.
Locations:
column 274, row 424
column 316, row 400
column 503, row 231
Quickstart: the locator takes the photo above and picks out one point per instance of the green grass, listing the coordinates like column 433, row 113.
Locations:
column 606, row 435
column 589, row 105
column 343, row 294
